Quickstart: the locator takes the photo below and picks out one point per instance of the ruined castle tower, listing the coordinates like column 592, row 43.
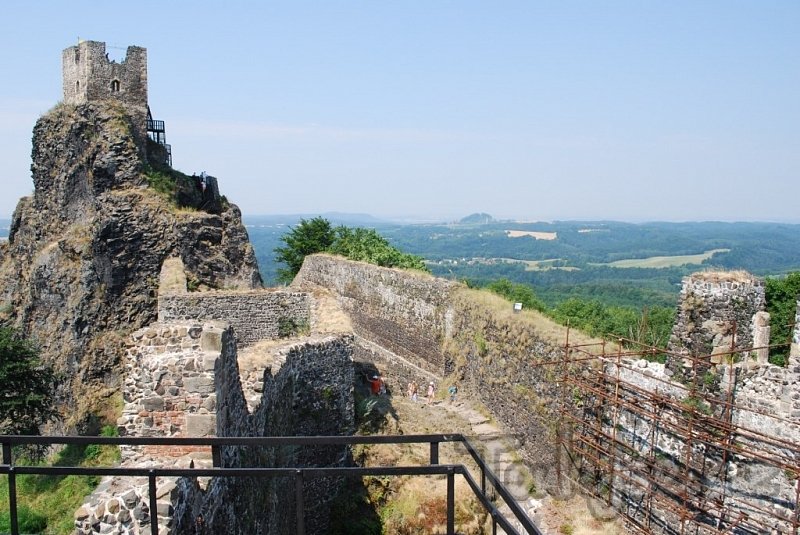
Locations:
column 90, row 76
column 719, row 316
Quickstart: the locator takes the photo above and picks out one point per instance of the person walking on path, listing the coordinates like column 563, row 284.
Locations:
column 376, row 385
column 431, row 392
column 414, row 391
column 453, row 390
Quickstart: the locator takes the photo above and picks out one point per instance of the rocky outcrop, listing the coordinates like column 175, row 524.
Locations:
column 80, row 269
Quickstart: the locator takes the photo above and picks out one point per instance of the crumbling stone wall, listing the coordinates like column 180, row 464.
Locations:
column 169, row 390
column 716, row 315
column 254, row 315
column 674, row 441
column 169, row 382
column 307, row 392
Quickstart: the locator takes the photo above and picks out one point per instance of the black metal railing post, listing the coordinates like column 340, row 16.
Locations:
column 7, row 453
column 451, row 501
column 12, row 501
column 299, row 506
column 300, row 475
column 151, row 480
column 216, row 456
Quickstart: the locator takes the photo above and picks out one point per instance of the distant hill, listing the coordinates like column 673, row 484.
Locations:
column 5, row 225
column 479, row 218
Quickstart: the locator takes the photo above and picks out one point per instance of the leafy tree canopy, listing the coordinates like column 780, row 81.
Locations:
column 782, row 295
column 318, row 236
column 27, row 391
column 517, row 293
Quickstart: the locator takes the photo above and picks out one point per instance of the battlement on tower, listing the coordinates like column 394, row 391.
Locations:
column 89, row 75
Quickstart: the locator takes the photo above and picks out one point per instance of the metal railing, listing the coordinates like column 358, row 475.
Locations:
column 479, row 488
column 154, row 125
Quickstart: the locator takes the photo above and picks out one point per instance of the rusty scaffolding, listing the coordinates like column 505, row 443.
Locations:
column 666, row 455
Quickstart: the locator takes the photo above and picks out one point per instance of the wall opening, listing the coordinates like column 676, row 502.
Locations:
column 115, row 86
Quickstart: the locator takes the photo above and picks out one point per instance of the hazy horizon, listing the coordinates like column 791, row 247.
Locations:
column 575, row 110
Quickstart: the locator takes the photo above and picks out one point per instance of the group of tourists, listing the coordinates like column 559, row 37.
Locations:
column 413, row 392
column 377, row 385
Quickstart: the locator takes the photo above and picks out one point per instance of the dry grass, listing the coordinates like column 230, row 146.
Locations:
column 724, row 276
column 327, row 317
column 533, row 234
column 541, row 325
column 664, row 261
column 173, row 277
column 581, row 515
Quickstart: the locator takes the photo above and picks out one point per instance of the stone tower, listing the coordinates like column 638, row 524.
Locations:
column 90, row 76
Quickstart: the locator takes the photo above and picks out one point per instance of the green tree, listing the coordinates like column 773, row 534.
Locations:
column 317, row 236
column 307, row 237
column 27, row 386
column 366, row 245
column 782, row 295
column 517, row 293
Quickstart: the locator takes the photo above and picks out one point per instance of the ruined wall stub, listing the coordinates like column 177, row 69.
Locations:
column 715, row 318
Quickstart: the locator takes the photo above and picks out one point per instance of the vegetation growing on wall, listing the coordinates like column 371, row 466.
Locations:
column 317, row 235
column 782, row 295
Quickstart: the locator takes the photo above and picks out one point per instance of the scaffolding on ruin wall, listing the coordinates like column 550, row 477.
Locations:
column 677, row 457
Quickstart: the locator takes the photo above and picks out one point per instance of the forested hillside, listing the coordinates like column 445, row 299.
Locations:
column 619, row 264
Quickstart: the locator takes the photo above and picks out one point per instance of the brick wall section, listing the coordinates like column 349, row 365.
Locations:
column 169, row 382
column 254, row 315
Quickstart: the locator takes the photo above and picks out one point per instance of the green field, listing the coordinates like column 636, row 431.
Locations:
column 665, row 261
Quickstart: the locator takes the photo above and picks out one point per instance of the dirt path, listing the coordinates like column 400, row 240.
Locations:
column 574, row 516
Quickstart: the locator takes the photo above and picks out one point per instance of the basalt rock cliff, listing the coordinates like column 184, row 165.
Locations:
column 81, row 266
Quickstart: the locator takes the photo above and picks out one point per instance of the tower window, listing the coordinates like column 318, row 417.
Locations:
column 77, row 55
column 77, row 87
column 115, row 86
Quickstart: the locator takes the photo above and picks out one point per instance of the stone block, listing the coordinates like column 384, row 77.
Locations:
column 201, row 425
column 129, row 498
column 211, row 340
column 199, row 385
column 208, row 362
column 154, row 403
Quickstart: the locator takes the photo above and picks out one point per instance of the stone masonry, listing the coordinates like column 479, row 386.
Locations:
column 254, row 315
column 435, row 326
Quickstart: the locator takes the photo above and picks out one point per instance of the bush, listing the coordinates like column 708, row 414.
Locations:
column 29, row 521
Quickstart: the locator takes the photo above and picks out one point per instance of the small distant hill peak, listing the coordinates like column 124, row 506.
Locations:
column 479, row 218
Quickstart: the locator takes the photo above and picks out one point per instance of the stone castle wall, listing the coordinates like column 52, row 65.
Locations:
column 496, row 356
column 307, row 392
column 438, row 327
column 88, row 75
column 254, row 315
column 401, row 312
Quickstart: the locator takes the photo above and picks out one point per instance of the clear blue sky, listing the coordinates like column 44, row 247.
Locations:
column 628, row 110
